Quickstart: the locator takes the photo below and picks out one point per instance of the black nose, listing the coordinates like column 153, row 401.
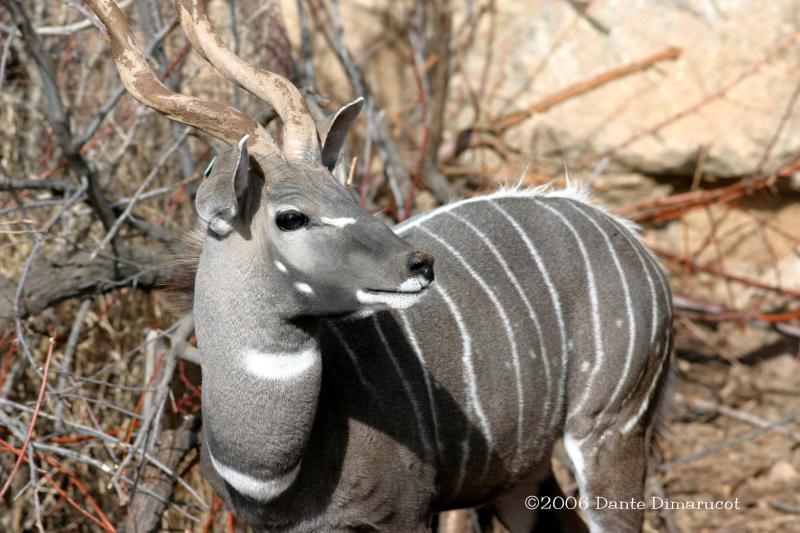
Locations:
column 421, row 264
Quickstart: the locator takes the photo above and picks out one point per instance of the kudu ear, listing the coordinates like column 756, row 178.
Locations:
column 334, row 131
column 226, row 179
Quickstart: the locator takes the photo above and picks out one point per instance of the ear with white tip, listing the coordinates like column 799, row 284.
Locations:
column 334, row 135
column 226, row 178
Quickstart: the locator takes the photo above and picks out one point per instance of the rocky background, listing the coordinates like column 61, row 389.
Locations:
column 679, row 114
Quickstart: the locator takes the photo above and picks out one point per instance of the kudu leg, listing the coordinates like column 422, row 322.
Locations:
column 611, row 477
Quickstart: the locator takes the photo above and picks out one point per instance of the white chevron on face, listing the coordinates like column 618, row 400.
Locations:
column 339, row 222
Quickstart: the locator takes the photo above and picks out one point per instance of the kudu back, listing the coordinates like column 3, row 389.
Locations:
column 346, row 390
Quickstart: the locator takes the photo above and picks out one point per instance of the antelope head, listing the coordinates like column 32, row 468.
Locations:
column 276, row 216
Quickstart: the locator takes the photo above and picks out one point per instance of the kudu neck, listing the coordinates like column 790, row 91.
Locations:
column 262, row 374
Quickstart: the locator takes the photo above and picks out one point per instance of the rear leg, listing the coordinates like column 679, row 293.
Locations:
column 610, row 461
column 611, row 471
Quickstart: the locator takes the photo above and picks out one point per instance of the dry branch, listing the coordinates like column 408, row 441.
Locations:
column 54, row 280
column 58, row 115
column 677, row 205
column 513, row 119
column 147, row 506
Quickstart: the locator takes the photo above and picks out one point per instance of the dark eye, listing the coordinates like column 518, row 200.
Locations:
column 291, row 220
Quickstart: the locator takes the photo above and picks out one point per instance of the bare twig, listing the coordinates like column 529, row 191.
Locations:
column 145, row 183
column 57, row 114
column 32, row 423
column 108, row 469
column 112, row 101
column 48, row 185
column 328, row 22
column 67, row 29
column 186, row 325
column 583, row 87
column 69, row 352
column 155, row 489
column 737, row 414
column 736, row 441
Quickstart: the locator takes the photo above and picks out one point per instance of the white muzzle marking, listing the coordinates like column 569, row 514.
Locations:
column 412, row 285
column 395, row 300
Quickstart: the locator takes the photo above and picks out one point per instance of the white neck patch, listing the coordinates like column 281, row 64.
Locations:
column 280, row 365
column 262, row 490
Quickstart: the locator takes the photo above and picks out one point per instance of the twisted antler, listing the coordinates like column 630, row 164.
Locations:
column 219, row 120
column 300, row 142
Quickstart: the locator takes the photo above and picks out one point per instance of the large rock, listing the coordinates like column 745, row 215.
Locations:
column 720, row 41
column 543, row 46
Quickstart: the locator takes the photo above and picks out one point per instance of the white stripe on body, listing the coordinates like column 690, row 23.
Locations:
column 406, row 386
column 653, row 310
column 412, row 339
column 462, row 472
column 531, row 313
column 551, row 290
column 631, row 423
column 503, row 317
column 634, row 420
column 646, row 257
column 353, row 359
column 597, row 367
column 470, row 379
column 628, row 309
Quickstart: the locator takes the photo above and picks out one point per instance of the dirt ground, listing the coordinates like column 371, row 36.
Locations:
column 730, row 436
column 722, row 442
